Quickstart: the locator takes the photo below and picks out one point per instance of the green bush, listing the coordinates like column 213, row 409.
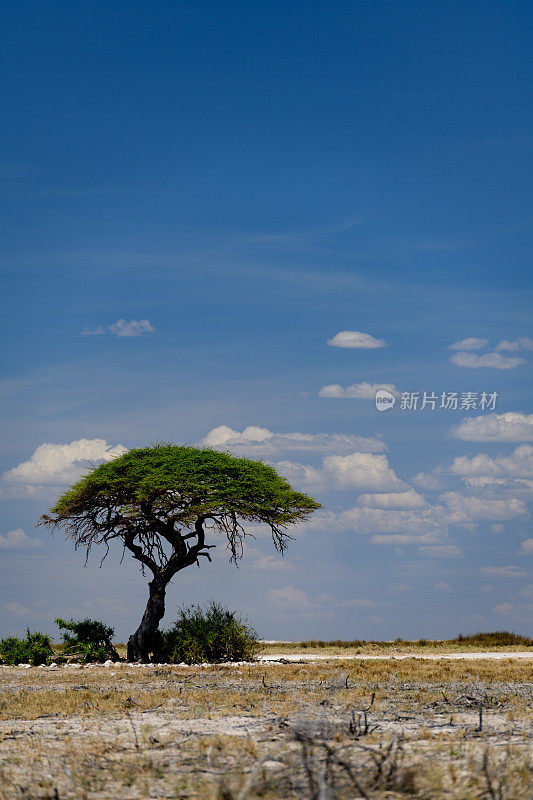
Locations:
column 211, row 635
column 495, row 639
column 87, row 640
column 35, row 649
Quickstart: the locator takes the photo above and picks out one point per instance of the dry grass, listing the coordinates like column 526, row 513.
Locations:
column 275, row 731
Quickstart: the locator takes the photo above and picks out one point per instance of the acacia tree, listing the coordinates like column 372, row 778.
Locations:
column 160, row 502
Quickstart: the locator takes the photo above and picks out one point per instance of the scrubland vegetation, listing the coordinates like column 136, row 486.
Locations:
column 371, row 729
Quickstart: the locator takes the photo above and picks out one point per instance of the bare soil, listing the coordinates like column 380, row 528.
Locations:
column 333, row 730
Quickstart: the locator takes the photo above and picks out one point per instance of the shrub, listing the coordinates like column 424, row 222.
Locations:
column 211, row 635
column 87, row 640
column 495, row 639
column 35, row 649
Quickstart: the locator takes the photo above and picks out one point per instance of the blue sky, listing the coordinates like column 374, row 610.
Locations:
column 239, row 184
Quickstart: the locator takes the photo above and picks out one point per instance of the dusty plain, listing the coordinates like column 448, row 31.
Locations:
column 459, row 729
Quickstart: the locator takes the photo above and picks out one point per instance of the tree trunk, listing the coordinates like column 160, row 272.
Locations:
column 140, row 642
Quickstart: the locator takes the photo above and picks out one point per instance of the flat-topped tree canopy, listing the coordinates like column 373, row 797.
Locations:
column 156, row 501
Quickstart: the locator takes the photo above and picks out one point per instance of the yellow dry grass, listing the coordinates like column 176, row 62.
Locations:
column 275, row 731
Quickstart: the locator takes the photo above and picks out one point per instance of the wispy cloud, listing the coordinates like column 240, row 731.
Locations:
column 470, row 343
column 502, row 572
column 358, row 391
column 121, row 328
column 303, row 235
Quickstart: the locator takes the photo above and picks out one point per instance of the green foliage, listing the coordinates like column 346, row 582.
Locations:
column 211, row 635
column 195, row 480
column 35, row 649
column 87, row 640
column 495, row 639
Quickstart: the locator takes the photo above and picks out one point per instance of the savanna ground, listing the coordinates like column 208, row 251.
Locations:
column 278, row 731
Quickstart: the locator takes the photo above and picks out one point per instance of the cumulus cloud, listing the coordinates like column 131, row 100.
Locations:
column 522, row 343
column 254, row 440
column 491, row 360
column 409, row 499
column 527, row 547
column 442, row 586
column 54, row 464
column 356, row 339
column 511, row 426
column 362, row 470
column 518, row 464
column 135, row 327
column 358, row 391
column 471, row 343
column 357, row 470
column 303, row 475
column 502, row 572
column 427, row 481
column 459, row 508
column 18, row 539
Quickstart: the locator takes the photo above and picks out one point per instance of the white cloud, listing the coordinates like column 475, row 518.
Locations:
column 442, row 551
column 303, row 475
column 53, row 464
column 254, row 440
column 356, row 339
column 16, row 608
column 270, row 562
column 358, row 391
column 135, row 327
column 491, row 360
column 502, row 572
column 471, row 343
column 18, row 539
column 409, row 499
column 427, row 481
column 290, row 598
column 459, row 509
column 527, row 547
column 511, row 426
column 522, row 343
column 363, row 470
column 518, row 464
column 442, row 586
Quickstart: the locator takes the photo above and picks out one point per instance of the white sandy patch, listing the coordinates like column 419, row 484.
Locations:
column 496, row 656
